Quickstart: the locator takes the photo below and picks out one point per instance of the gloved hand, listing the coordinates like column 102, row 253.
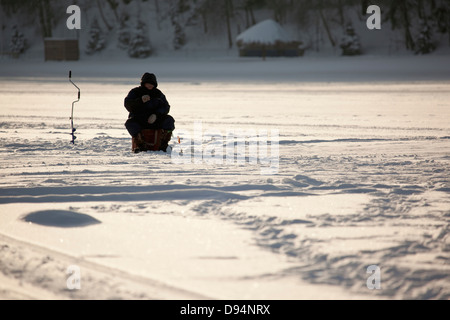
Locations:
column 152, row 119
column 145, row 98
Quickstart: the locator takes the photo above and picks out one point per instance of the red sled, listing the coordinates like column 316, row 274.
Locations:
column 151, row 140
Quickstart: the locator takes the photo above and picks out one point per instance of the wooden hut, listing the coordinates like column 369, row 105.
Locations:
column 61, row 49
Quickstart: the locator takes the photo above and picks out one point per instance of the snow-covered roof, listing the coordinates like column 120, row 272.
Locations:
column 265, row 32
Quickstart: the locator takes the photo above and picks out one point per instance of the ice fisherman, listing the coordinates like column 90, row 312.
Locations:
column 148, row 109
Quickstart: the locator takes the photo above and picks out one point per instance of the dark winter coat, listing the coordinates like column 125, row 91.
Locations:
column 140, row 111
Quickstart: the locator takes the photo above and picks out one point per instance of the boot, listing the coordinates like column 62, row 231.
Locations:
column 166, row 136
column 140, row 143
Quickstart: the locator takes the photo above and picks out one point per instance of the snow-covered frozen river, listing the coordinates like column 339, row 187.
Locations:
column 362, row 179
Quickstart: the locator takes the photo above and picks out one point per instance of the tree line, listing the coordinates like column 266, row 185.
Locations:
column 230, row 17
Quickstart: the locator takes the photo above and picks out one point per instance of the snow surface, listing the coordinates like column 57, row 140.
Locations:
column 266, row 32
column 363, row 179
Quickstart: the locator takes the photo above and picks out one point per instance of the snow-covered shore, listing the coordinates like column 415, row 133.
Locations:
column 214, row 67
column 363, row 179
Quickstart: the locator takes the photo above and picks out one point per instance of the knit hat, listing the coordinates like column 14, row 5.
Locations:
column 149, row 78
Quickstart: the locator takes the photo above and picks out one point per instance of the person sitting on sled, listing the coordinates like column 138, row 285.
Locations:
column 148, row 109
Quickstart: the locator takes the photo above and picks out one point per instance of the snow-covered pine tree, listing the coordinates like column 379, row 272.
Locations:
column 124, row 34
column 179, row 36
column 139, row 46
column 441, row 15
column 424, row 42
column 18, row 43
column 350, row 44
column 97, row 40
